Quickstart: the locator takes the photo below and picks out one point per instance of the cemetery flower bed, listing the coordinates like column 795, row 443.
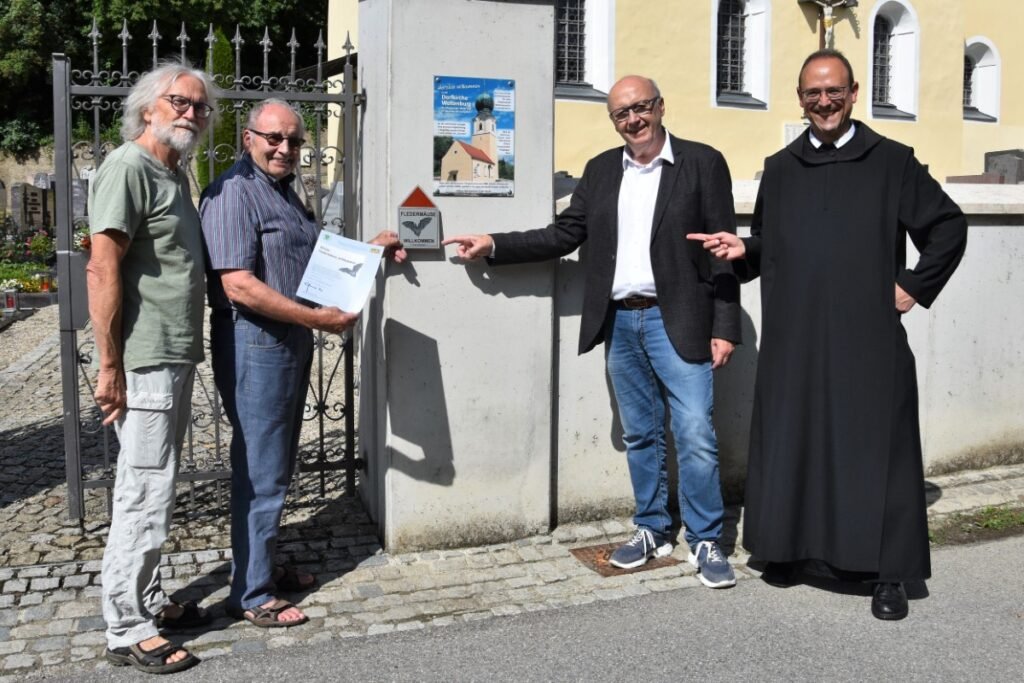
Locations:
column 27, row 259
column 27, row 276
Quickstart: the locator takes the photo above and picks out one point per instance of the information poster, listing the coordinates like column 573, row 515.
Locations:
column 474, row 137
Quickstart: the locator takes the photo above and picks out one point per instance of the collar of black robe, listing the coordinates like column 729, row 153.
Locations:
column 860, row 144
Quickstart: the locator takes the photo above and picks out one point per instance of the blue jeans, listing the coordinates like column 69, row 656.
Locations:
column 261, row 368
column 646, row 372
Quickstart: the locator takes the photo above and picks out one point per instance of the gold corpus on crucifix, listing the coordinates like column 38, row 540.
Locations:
column 826, row 18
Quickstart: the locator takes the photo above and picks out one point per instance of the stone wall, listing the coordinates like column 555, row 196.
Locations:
column 14, row 171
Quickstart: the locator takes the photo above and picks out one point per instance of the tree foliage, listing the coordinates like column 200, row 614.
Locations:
column 223, row 132
column 31, row 30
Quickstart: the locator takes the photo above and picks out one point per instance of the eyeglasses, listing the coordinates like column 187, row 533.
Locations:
column 641, row 108
column 275, row 139
column 812, row 95
column 181, row 104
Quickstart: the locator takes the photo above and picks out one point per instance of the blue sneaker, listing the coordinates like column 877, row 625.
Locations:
column 713, row 570
column 636, row 551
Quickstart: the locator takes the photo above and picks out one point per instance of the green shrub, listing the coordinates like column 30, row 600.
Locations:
column 41, row 247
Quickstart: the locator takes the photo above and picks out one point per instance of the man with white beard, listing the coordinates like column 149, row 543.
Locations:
column 146, row 290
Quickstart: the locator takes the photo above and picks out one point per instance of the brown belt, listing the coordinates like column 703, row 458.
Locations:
column 636, row 302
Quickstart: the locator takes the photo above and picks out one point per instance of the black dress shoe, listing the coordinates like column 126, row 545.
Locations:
column 780, row 574
column 889, row 602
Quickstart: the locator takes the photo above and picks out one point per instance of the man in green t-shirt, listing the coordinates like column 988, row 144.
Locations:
column 146, row 290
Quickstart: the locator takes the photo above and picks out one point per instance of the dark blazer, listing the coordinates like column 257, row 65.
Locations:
column 698, row 295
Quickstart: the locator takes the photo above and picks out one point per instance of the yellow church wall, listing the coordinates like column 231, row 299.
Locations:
column 674, row 46
column 672, row 42
column 999, row 22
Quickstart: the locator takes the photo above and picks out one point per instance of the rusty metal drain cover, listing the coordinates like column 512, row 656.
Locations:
column 595, row 557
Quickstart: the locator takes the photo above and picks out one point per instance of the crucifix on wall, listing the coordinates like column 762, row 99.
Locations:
column 826, row 18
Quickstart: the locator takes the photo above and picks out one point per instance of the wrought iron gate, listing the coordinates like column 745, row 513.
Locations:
column 95, row 97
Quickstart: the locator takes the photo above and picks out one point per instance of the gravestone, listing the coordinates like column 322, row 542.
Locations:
column 18, row 205
column 3, row 199
column 50, row 200
column 1008, row 163
column 35, row 207
column 79, row 197
column 41, row 180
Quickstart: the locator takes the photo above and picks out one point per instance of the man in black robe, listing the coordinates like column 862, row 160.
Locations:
column 835, row 470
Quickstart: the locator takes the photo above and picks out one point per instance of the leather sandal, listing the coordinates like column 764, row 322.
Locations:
column 192, row 616
column 151, row 661
column 267, row 617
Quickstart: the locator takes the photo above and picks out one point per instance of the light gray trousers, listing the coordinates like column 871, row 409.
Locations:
column 151, row 433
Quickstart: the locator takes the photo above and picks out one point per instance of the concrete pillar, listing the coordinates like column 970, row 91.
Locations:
column 456, row 385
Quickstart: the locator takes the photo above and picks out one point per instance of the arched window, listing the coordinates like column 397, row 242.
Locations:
column 982, row 80
column 894, row 60
column 968, row 81
column 731, row 30
column 740, row 54
column 571, row 31
column 881, row 64
column 584, row 48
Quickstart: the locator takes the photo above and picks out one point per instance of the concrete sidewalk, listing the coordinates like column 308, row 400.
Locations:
column 50, row 613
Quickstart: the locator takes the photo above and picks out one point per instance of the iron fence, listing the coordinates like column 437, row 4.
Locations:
column 90, row 99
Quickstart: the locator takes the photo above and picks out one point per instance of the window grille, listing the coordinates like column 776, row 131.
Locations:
column 570, row 44
column 881, row 61
column 731, row 28
column 968, row 81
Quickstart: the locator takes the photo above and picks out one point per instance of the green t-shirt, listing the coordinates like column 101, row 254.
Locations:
column 162, row 271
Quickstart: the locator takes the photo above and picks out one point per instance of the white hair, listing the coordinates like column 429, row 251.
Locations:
column 154, row 84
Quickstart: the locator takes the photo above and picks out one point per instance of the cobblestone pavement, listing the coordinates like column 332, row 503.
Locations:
column 50, row 623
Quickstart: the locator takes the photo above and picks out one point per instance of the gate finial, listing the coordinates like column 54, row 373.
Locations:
column 125, row 39
column 183, row 39
column 210, row 40
column 155, row 36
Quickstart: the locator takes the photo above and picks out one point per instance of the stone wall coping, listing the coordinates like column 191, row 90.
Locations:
column 974, row 199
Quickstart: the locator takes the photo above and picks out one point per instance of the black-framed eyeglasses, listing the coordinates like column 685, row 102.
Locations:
column 834, row 94
column 181, row 104
column 641, row 108
column 275, row 139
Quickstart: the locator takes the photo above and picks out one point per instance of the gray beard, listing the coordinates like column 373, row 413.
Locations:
column 182, row 140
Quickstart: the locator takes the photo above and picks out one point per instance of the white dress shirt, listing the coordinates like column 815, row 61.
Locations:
column 637, row 196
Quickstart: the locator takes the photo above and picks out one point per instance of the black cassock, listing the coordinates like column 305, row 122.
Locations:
column 835, row 469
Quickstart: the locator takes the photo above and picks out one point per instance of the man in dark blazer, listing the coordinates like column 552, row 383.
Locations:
column 668, row 313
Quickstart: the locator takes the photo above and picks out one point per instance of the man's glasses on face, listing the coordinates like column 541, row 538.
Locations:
column 275, row 139
column 181, row 104
column 812, row 95
column 641, row 108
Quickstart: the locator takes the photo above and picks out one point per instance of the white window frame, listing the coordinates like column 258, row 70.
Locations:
column 986, row 80
column 599, row 53
column 756, row 57
column 905, row 50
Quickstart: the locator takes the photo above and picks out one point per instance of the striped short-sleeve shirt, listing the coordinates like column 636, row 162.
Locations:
column 253, row 222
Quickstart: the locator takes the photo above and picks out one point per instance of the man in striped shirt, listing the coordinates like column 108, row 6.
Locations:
column 259, row 237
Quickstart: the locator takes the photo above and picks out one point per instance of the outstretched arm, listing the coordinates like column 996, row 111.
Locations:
column 722, row 245
column 245, row 289
column 471, row 247
column 393, row 248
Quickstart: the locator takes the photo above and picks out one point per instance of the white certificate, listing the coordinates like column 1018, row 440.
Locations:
column 340, row 272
